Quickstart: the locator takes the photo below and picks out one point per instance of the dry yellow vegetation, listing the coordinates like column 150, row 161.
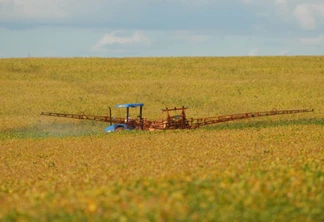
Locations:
column 266, row 169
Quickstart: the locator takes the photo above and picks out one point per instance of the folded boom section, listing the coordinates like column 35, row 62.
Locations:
column 85, row 117
column 225, row 118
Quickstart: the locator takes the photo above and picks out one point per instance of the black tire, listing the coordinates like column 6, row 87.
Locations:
column 120, row 128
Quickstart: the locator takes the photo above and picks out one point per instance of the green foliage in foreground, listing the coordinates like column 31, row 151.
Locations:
column 236, row 199
column 268, row 174
column 267, row 194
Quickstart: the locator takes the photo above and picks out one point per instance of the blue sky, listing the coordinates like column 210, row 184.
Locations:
column 137, row 28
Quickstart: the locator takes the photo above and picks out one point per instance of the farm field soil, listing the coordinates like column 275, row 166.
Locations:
column 262, row 169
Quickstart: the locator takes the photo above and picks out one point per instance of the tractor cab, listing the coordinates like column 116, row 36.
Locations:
column 128, row 123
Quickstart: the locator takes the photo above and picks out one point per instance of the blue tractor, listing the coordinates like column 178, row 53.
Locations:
column 128, row 123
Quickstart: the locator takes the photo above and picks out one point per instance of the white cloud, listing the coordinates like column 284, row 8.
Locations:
column 18, row 9
column 319, row 40
column 253, row 52
column 206, row 24
column 304, row 16
column 62, row 9
column 309, row 15
column 54, row 10
column 118, row 38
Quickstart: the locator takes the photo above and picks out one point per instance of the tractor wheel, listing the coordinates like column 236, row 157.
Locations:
column 119, row 128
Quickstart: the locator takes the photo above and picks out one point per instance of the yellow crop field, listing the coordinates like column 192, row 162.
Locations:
column 260, row 169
